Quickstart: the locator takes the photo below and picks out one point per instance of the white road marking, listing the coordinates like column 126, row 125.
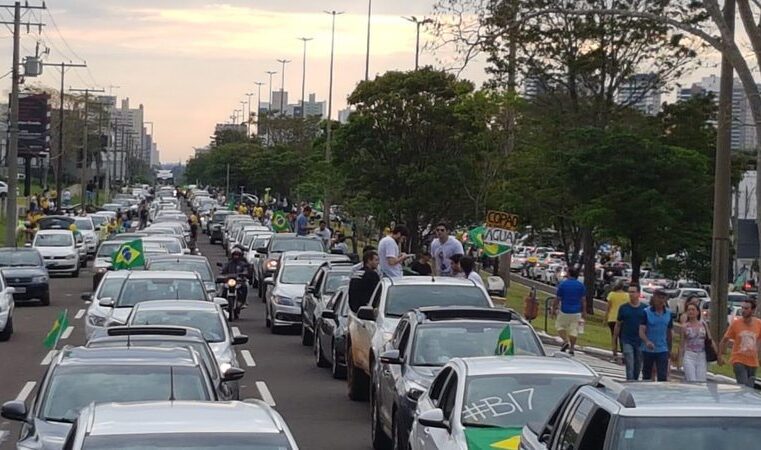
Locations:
column 248, row 358
column 80, row 313
column 261, row 386
column 49, row 357
column 4, row 436
column 25, row 391
column 67, row 332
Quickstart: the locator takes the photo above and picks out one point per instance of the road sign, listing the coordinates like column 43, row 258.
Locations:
column 503, row 220
column 500, row 236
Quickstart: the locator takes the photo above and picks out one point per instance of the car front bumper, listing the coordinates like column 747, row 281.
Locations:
column 62, row 265
column 30, row 291
column 286, row 315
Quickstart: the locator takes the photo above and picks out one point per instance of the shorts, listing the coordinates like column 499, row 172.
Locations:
column 568, row 323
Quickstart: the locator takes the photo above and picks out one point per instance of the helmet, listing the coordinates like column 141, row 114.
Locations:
column 236, row 251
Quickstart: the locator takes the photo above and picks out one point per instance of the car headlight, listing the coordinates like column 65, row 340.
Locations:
column 271, row 264
column 102, row 270
column 40, row 279
column 71, row 256
column 283, row 301
column 231, row 282
column 97, row 321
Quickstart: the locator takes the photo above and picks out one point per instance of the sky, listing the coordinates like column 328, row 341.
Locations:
column 190, row 62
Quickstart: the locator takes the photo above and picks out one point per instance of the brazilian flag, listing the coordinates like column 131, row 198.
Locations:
column 59, row 326
column 279, row 222
column 493, row 438
column 505, row 346
column 129, row 256
column 476, row 239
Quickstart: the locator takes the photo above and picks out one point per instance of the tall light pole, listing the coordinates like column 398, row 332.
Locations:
column 248, row 118
column 418, row 23
column 304, row 75
column 367, row 56
column 269, row 106
column 243, row 110
column 259, row 85
column 282, row 85
column 329, row 131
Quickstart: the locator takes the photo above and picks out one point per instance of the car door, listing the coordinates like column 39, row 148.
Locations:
column 390, row 374
column 441, row 438
column 310, row 299
column 368, row 329
column 327, row 327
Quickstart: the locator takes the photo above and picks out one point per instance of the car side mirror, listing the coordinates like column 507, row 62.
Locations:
column 269, row 281
column 433, row 418
column 14, row 410
column 310, row 289
column 87, row 296
column 328, row 314
column 220, row 265
column 107, row 302
column 240, row 339
column 222, row 302
column 233, row 374
column 366, row 313
column 391, row 357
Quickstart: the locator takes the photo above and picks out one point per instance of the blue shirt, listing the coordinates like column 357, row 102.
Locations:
column 657, row 328
column 571, row 295
column 631, row 318
column 301, row 225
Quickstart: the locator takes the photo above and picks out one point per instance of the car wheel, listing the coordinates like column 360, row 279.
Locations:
column 307, row 337
column 75, row 274
column 356, row 379
column 336, row 370
column 8, row 331
column 45, row 299
column 380, row 439
column 319, row 358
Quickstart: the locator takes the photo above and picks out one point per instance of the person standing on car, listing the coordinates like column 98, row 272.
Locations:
column 745, row 335
column 616, row 298
column 626, row 333
column 570, row 300
column 363, row 282
column 302, row 221
column 656, row 334
column 442, row 249
column 391, row 258
column 692, row 349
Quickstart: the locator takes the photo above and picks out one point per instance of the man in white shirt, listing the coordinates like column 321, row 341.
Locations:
column 391, row 257
column 443, row 248
column 324, row 233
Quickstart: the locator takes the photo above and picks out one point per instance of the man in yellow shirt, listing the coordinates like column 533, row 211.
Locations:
column 616, row 298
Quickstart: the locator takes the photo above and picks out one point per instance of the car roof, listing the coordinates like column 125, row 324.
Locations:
column 117, row 356
column 178, row 258
column 54, row 231
column 177, row 305
column 521, row 364
column 186, row 417
column 161, row 274
column 428, row 280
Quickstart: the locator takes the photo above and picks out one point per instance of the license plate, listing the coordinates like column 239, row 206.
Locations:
column 20, row 290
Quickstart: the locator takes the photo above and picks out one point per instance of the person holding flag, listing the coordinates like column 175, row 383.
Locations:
column 280, row 222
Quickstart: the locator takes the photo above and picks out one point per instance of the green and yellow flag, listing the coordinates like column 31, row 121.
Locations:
column 493, row 438
column 476, row 239
column 60, row 324
column 505, row 345
column 279, row 222
column 129, row 255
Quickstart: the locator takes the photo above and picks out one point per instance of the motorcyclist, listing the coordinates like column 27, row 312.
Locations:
column 237, row 265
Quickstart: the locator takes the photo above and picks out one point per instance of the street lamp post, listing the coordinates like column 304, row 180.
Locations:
column 367, row 56
column 248, row 118
column 269, row 106
column 418, row 23
column 282, row 85
column 304, row 75
column 329, row 132
column 243, row 110
column 259, row 85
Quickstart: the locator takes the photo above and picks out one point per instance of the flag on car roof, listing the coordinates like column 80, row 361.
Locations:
column 279, row 222
column 54, row 335
column 129, row 255
column 505, row 345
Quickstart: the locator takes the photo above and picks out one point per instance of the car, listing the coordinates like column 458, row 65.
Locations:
column 680, row 296
column 224, row 376
column 372, row 326
column 79, row 376
column 325, row 282
column 242, row 231
column 175, row 245
column 214, row 225
column 207, row 317
column 283, row 302
column 425, row 340
column 25, row 271
column 232, row 224
column 86, row 226
column 331, row 329
column 59, row 251
column 253, row 257
column 185, row 263
column 181, row 425
column 97, row 317
column 633, row 416
column 278, row 244
column 490, row 399
column 103, row 257
column 7, row 308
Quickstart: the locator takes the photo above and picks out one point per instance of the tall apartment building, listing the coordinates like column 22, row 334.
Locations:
column 642, row 92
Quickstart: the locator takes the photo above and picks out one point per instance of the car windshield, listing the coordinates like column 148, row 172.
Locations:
column 219, row 217
column 182, row 441
column 20, row 259
column 109, row 287
column 172, row 245
column 140, row 290
column 695, row 433
column 260, row 242
column 53, row 240
column 297, row 244
column 297, row 274
column 84, row 224
column 436, row 344
column 107, row 249
column 73, row 388
column 404, row 298
column 336, row 280
column 208, row 322
column 99, row 220
column 184, row 266
column 512, row 401
column 247, row 238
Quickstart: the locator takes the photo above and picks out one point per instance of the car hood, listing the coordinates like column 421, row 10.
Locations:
column 423, row 375
column 101, row 262
column 23, row 272
column 56, row 251
column 50, row 435
column 223, row 352
column 289, row 290
column 120, row 315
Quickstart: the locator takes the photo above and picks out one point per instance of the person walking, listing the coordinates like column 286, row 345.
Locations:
column 656, row 334
column 442, row 249
column 626, row 333
column 569, row 299
column 391, row 257
column 616, row 298
column 744, row 335
column 692, row 348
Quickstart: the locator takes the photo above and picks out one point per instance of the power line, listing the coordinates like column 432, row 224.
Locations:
column 55, row 26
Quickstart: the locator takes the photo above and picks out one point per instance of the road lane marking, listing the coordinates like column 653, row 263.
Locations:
column 25, row 391
column 67, row 332
column 4, row 436
column 248, row 358
column 80, row 313
column 49, row 357
column 261, row 386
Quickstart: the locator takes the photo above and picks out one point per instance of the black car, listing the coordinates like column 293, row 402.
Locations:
column 331, row 329
column 326, row 281
column 214, row 226
column 24, row 270
column 425, row 340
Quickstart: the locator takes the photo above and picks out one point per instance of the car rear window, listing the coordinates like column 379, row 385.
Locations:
column 404, row 298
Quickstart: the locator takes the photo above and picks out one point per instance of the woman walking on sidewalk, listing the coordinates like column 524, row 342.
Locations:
column 692, row 349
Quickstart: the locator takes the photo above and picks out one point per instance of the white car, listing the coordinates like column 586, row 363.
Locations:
column 676, row 304
column 59, row 251
column 7, row 306
column 97, row 316
column 86, row 226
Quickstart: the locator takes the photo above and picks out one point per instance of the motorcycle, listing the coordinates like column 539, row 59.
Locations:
column 232, row 290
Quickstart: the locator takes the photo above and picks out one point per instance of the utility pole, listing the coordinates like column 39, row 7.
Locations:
column 282, row 85
column 85, row 140
column 329, row 131
column 721, row 193
column 367, row 56
column 59, row 163
column 418, row 23
column 13, row 129
column 248, row 119
column 304, row 75
column 259, row 85
column 269, row 106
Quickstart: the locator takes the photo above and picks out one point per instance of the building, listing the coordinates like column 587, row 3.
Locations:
column 280, row 99
column 533, row 87
column 641, row 92
column 155, row 155
column 343, row 115
column 314, row 108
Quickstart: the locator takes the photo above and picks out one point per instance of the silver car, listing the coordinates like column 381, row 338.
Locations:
column 286, row 292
